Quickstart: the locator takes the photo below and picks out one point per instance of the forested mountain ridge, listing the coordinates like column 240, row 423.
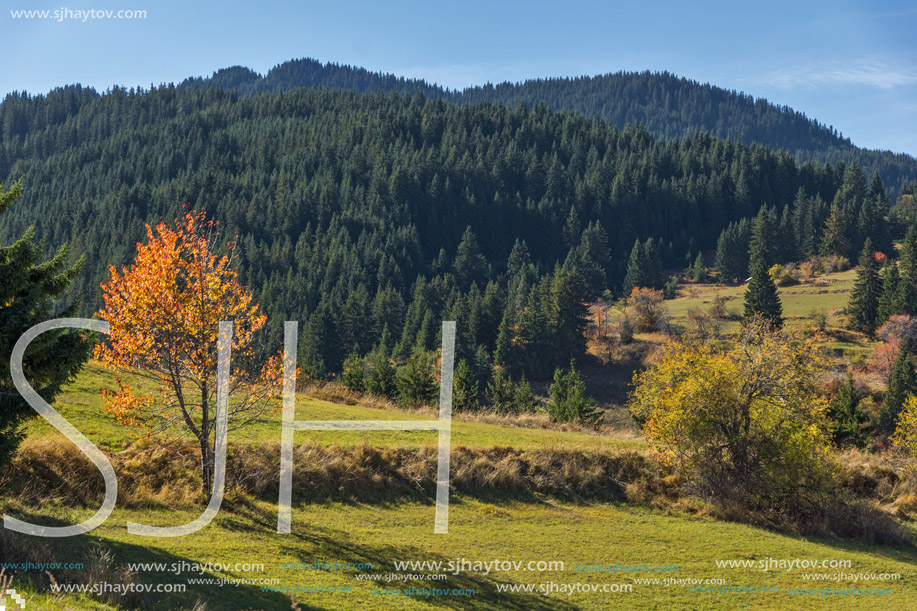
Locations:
column 667, row 105
column 372, row 216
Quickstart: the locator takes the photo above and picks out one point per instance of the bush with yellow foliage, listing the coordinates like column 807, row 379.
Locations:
column 905, row 436
column 745, row 426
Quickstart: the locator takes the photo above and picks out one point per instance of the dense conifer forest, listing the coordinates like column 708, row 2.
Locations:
column 370, row 217
column 666, row 105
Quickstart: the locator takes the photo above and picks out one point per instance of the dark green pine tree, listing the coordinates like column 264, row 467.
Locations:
column 867, row 291
column 644, row 267
column 788, row 247
column 416, row 382
column 593, row 259
column 355, row 321
column 908, row 296
column 698, row 271
column 636, row 269
column 500, row 392
column 481, row 366
column 504, row 352
column 470, row 263
column 569, row 401
column 761, row 298
column 535, row 350
column 519, row 259
column 381, row 379
column 573, row 229
column 653, row 256
column 352, row 377
column 28, row 290
column 847, row 417
column 464, row 388
column 567, row 316
column 440, row 263
column 811, row 225
column 320, row 351
column 523, row 397
column 835, row 241
column 872, row 222
column 890, row 302
column 764, row 243
column 902, row 384
column 871, row 216
column 731, row 261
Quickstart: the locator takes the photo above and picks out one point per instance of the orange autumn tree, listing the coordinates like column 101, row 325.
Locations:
column 164, row 313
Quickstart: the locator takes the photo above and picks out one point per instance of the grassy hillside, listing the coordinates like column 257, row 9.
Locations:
column 803, row 304
column 800, row 302
column 577, row 535
column 354, row 534
column 81, row 403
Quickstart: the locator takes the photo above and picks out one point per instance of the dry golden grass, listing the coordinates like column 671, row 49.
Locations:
column 871, row 488
column 154, row 474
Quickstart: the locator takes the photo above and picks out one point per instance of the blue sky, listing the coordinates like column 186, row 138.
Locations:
column 852, row 65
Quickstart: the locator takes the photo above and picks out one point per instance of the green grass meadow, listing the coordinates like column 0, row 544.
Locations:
column 577, row 533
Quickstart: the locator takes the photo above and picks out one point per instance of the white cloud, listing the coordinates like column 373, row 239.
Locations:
column 873, row 73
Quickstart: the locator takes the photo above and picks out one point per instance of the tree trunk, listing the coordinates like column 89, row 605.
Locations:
column 206, row 466
column 206, row 452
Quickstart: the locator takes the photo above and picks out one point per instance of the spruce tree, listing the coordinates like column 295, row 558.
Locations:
column 567, row 315
column 28, row 290
column 847, row 417
column 671, row 288
column 908, row 290
column 636, row 269
column 867, row 291
column 381, row 379
column 731, row 260
column 835, row 241
column 787, row 245
column 644, row 267
column 764, row 243
column 812, row 226
column 470, row 263
column 523, row 397
column 761, row 298
column 505, row 352
column 534, row 352
column 415, row 381
column 881, row 207
column 500, row 392
column 573, row 229
column 890, row 302
column 593, row 258
column 519, row 259
column 872, row 224
column 652, row 251
column 464, row 389
column 352, row 377
column 440, row 264
column 698, row 271
column 569, row 402
column 902, row 384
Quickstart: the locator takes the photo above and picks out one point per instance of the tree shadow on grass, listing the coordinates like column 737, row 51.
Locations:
column 337, row 549
column 226, row 597
column 306, row 544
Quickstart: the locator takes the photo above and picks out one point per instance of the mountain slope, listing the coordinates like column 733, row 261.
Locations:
column 346, row 203
column 668, row 106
